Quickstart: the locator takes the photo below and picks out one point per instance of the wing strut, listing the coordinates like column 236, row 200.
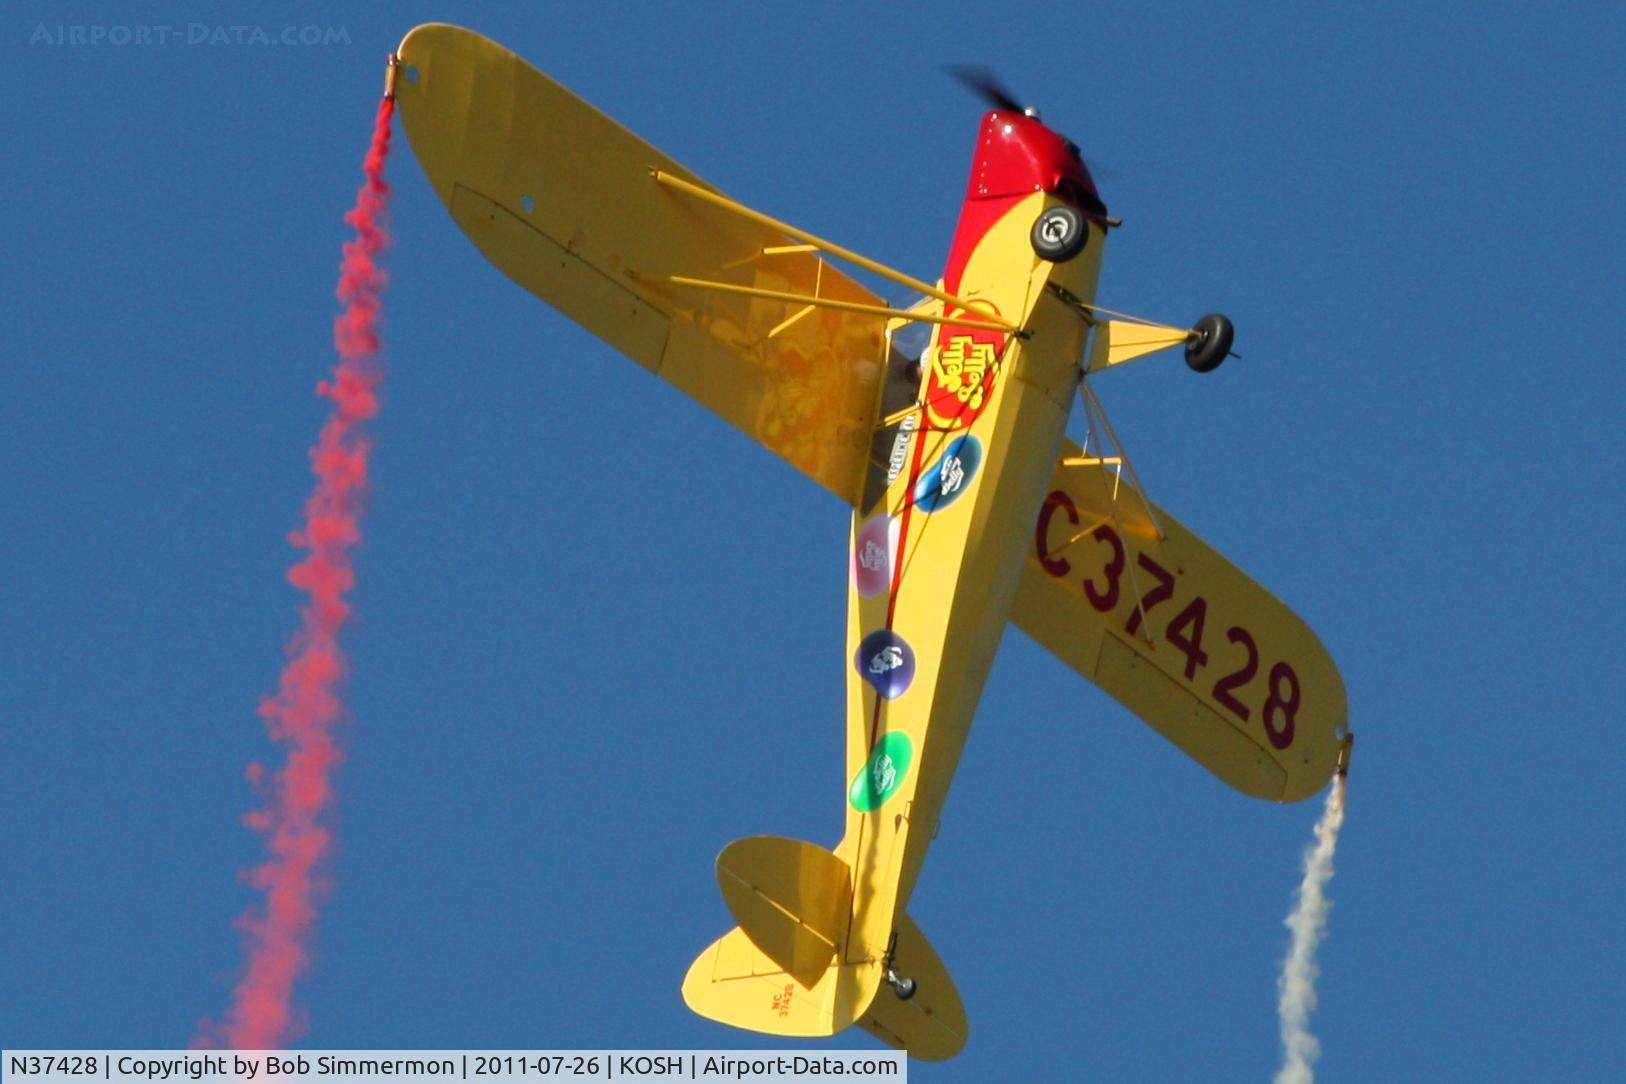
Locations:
column 967, row 314
column 822, row 302
column 1093, row 410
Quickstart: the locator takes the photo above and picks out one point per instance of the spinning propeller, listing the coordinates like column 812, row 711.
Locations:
column 985, row 84
column 982, row 82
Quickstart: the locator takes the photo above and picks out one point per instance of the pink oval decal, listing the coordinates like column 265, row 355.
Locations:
column 874, row 553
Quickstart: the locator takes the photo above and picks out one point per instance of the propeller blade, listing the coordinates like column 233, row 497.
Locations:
column 986, row 85
column 982, row 81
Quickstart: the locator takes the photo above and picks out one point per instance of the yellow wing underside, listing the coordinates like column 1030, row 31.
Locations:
column 1123, row 593
column 563, row 200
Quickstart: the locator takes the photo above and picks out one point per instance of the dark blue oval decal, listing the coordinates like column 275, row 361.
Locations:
column 886, row 662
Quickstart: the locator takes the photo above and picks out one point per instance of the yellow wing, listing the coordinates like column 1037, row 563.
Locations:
column 1180, row 636
column 562, row 199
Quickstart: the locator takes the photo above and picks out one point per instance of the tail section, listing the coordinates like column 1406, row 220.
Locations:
column 734, row 983
column 784, row 969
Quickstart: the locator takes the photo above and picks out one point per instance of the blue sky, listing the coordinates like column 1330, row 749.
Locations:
column 600, row 634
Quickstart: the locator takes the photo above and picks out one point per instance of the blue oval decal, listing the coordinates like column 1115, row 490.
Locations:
column 951, row 475
column 886, row 662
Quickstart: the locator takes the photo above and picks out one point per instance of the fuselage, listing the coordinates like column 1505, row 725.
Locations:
column 935, row 560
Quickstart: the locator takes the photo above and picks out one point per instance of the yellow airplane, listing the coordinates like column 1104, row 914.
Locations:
column 970, row 507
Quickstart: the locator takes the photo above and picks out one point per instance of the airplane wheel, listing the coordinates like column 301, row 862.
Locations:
column 904, row 988
column 1060, row 233
column 1211, row 343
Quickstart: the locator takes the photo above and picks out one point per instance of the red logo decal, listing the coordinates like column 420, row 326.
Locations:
column 965, row 364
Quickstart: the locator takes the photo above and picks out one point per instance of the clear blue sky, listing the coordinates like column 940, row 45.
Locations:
column 600, row 634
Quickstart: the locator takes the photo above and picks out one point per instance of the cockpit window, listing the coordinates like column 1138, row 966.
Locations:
column 910, row 340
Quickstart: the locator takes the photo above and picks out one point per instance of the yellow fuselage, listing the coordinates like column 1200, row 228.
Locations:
column 936, row 561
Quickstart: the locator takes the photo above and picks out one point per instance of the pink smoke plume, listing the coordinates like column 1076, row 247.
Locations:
column 302, row 714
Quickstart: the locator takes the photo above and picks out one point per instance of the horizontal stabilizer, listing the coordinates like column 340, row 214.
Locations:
column 734, row 982
column 931, row 1024
column 782, row 971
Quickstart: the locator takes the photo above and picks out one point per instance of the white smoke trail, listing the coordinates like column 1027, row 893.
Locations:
column 1296, row 987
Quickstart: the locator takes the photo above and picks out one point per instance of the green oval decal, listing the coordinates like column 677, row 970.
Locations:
column 883, row 773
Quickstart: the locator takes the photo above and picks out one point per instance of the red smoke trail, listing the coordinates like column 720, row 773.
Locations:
column 306, row 707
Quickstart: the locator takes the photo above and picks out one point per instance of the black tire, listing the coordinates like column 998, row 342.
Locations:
column 1211, row 343
column 1060, row 233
